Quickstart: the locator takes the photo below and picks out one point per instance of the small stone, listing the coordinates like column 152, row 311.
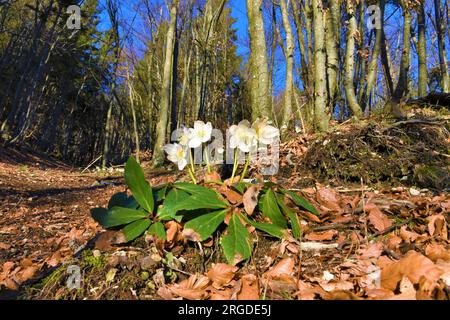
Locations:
column 414, row 192
column 96, row 253
column 156, row 257
column 327, row 276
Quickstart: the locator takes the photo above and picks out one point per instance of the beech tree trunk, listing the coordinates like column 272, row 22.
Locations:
column 287, row 111
column 321, row 116
column 422, row 51
column 350, row 62
column 445, row 82
column 164, row 105
column 259, row 73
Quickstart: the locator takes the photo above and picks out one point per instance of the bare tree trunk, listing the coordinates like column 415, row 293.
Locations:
column 164, row 106
column 385, row 53
column 173, row 112
column 350, row 62
column 108, row 133
column 259, row 73
column 287, row 111
column 422, row 51
column 372, row 71
column 445, row 82
column 402, row 85
column 301, row 43
column 332, row 37
column 321, row 117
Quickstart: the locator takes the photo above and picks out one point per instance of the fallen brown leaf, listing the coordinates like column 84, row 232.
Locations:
column 408, row 236
column 321, row 236
column 172, row 232
column 437, row 227
column 372, row 251
column 27, row 273
column 379, row 294
column 213, row 176
column 437, row 251
column 191, row 235
column 414, row 265
column 250, row 199
column 407, row 291
column 284, row 267
column 232, row 196
column 192, row 288
column 337, row 286
column 109, row 238
column 308, row 291
column 250, row 288
column 330, row 199
column 221, row 274
column 378, row 219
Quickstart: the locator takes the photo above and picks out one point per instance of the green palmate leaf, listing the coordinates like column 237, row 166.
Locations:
column 237, row 243
column 269, row 208
column 268, row 228
column 157, row 229
column 206, row 224
column 174, row 197
column 118, row 200
column 194, row 189
column 197, row 201
column 121, row 199
column 295, row 224
column 99, row 214
column 160, row 193
column 135, row 229
column 135, row 180
column 116, row 216
column 301, row 202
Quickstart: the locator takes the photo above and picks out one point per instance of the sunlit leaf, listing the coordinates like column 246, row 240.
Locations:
column 157, row 229
column 175, row 196
column 135, row 180
column 295, row 224
column 135, row 229
column 206, row 224
column 269, row 208
column 237, row 243
column 116, row 216
column 268, row 228
column 301, row 202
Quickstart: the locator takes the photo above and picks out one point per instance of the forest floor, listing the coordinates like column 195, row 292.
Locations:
column 382, row 237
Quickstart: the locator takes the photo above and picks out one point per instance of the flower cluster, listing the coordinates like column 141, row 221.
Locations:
column 244, row 137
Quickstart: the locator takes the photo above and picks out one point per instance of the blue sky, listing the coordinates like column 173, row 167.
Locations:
column 239, row 12
column 393, row 29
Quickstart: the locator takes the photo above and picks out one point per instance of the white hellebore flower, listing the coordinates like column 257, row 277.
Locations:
column 265, row 133
column 201, row 133
column 185, row 137
column 177, row 154
column 242, row 136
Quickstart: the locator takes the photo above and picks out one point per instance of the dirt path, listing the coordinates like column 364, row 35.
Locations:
column 45, row 216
